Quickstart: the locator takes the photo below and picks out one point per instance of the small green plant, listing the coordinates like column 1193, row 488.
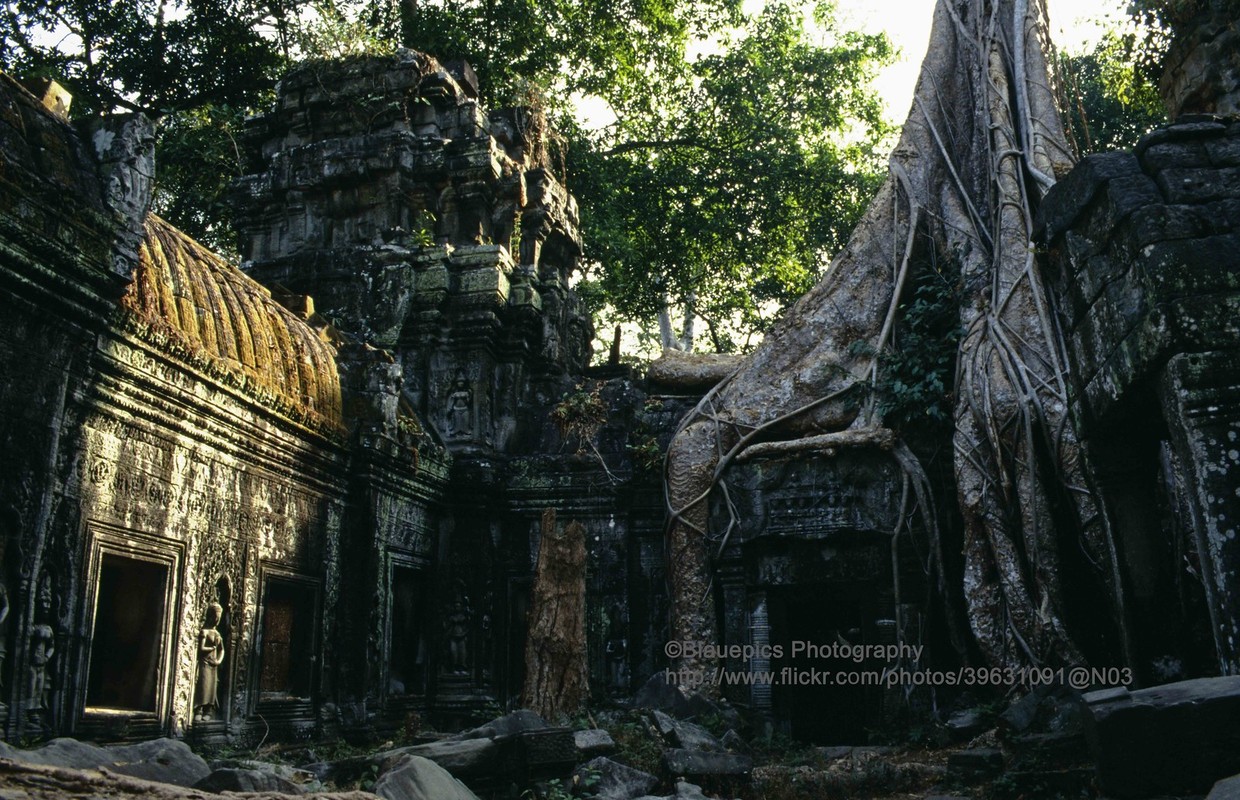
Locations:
column 423, row 233
column 635, row 746
column 369, row 778
column 580, row 785
column 580, row 415
column 647, row 454
column 916, row 373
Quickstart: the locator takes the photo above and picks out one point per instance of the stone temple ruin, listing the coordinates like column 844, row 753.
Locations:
column 303, row 500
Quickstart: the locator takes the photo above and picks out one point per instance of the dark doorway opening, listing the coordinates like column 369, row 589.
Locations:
column 406, row 648
column 824, row 614
column 287, row 640
column 129, row 631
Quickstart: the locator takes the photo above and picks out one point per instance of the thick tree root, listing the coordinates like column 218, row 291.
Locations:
column 982, row 144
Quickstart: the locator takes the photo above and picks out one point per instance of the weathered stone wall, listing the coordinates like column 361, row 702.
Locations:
column 58, row 281
column 1144, row 255
column 175, row 438
column 425, row 225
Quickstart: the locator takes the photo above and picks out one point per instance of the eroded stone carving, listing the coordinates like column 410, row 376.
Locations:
column 42, row 648
column 456, row 631
column 210, row 656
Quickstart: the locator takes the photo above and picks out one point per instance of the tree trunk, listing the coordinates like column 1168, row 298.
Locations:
column 667, row 337
column 556, row 677
column 982, row 144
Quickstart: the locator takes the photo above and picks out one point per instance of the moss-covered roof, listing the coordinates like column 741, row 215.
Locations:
column 218, row 316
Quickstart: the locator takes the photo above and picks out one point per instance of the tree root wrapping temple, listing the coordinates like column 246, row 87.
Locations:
column 304, row 500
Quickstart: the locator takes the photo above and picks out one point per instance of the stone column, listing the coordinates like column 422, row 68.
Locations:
column 1201, row 401
column 760, row 638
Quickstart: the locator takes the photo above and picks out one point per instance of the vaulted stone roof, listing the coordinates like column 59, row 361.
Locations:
column 207, row 311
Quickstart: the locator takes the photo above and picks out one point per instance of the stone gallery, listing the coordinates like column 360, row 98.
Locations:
column 303, row 499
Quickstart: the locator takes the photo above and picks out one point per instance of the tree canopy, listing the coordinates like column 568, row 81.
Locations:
column 1109, row 100
column 728, row 201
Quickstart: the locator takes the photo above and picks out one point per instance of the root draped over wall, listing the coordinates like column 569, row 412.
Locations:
column 982, row 144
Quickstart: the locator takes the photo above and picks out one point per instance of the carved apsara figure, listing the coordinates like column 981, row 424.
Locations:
column 42, row 648
column 457, row 632
column 210, row 656
column 460, row 407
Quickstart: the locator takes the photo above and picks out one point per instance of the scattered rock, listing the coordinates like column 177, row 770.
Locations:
column 1178, row 738
column 866, row 753
column 305, row 780
column 696, row 763
column 161, row 760
column 975, row 766
column 615, row 781
column 463, row 758
column 418, row 778
column 735, row 743
column 593, row 742
column 1020, row 715
column 688, row 791
column 512, row 724
column 1226, row 789
column 233, row 779
column 34, row 781
column 663, row 724
column 964, row 725
column 829, row 754
column 670, row 698
column 684, row 734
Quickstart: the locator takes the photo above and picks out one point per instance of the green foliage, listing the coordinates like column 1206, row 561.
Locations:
column 580, row 414
column 586, row 47
column 1109, row 99
column 330, row 31
column 1177, row 13
column 916, row 373
column 636, row 746
column 198, row 157
column 646, row 453
column 732, row 195
column 144, row 55
column 725, row 183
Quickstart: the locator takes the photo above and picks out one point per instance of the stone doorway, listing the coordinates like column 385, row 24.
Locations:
column 406, row 644
column 823, row 614
column 287, row 651
column 128, row 635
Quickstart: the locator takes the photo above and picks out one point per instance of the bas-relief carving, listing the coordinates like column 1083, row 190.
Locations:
column 210, row 656
column 460, row 408
column 457, row 625
column 42, row 647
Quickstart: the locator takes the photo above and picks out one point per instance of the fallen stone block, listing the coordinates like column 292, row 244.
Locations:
column 1178, row 738
column 976, row 765
column 611, row 780
column 696, row 763
column 235, row 779
column 417, row 778
column 593, row 742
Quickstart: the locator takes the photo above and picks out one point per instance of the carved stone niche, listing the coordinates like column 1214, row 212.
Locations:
column 129, row 656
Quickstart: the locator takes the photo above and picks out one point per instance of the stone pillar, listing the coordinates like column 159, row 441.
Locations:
column 760, row 638
column 1201, row 401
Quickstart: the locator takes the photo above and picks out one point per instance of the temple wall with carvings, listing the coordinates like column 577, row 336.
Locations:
column 302, row 498
column 207, row 493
